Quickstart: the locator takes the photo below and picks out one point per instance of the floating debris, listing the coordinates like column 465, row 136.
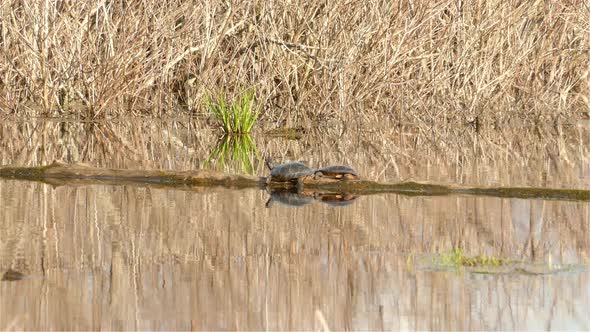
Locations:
column 12, row 275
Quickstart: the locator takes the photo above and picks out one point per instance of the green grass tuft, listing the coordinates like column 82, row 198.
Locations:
column 236, row 117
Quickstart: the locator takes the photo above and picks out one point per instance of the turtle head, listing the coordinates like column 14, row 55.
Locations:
column 317, row 174
column 268, row 162
column 269, row 202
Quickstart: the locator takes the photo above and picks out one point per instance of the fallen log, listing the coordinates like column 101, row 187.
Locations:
column 58, row 174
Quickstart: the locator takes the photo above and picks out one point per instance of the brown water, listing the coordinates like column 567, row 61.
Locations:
column 139, row 257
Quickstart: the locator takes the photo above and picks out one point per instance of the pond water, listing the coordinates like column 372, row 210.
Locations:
column 145, row 257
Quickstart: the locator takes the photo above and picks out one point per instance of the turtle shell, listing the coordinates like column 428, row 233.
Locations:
column 338, row 172
column 290, row 172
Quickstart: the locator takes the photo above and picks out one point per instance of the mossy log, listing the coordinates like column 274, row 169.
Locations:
column 58, row 174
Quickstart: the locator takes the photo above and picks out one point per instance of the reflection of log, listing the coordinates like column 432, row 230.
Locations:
column 63, row 174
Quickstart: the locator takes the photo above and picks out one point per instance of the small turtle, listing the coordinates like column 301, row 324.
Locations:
column 289, row 172
column 337, row 172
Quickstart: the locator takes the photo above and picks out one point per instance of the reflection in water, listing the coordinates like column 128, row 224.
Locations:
column 122, row 257
column 289, row 197
column 294, row 197
column 132, row 257
column 385, row 153
column 335, row 199
column 234, row 150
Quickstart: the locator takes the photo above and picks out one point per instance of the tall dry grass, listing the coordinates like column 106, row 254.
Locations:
column 427, row 61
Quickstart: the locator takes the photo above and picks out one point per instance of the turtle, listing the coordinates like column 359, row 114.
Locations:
column 337, row 172
column 289, row 172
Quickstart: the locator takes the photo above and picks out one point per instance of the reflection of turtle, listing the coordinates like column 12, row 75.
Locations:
column 289, row 197
column 289, row 172
column 337, row 172
column 335, row 199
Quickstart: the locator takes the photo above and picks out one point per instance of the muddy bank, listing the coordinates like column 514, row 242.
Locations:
column 58, row 174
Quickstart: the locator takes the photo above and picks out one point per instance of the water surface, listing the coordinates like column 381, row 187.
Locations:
column 140, row 257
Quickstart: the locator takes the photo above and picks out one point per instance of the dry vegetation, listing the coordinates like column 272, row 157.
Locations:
column 427, row 61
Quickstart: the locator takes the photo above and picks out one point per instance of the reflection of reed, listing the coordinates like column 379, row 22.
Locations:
column 511, row 157
column 132, row 257
column 234, row 152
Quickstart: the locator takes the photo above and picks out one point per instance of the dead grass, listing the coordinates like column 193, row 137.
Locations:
column 423, row 61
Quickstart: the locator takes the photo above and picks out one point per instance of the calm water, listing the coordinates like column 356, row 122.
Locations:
column 139, row 257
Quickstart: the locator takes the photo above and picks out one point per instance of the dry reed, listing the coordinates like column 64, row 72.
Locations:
column 423, row 61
